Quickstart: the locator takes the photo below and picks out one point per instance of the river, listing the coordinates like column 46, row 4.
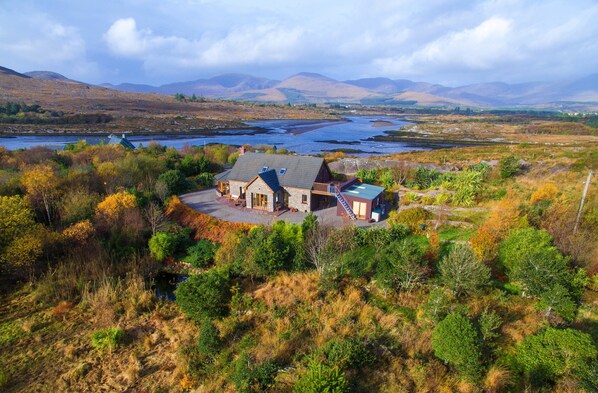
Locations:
column 301, row 136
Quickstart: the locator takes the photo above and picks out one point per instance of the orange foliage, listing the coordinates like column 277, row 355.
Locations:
column 546, row 192
column 205, row 226
column 79, row 232
column 504, row 217
column 113, row 206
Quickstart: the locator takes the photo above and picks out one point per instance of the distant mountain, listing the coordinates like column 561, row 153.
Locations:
column 306, row 88
column 8, row 71
column 48, row 75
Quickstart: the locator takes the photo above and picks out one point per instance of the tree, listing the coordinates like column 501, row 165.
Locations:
column 555, row 352
column 208, row 342
column 316, row 240
column 530, row 258
column 41, row 184
column 175, row 180
column 386, row 178
column 201, row 254
column 402, row 266
column 367, row 176
column 19, row 243
column 113, row 206
column 461, row 271
column 155, row 217
column 204, row 295
column 557, row 300
column 456, row 341
column 162, row 245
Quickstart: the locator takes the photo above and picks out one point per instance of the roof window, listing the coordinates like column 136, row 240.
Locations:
column 264, row 169
column 282, row 171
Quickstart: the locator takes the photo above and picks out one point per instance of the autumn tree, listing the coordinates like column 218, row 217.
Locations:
column 19, row 243
column 41, row 184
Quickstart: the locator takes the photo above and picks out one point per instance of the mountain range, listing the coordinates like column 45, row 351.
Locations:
column 311, row 88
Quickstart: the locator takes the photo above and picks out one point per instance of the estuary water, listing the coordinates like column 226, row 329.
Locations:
column 301, row 136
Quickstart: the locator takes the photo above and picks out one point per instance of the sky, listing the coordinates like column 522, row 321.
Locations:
column 453, row 42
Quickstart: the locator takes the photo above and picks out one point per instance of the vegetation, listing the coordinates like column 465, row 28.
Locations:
column 492, row 293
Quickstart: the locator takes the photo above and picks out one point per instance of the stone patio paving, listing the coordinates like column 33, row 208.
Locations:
column 208, row 202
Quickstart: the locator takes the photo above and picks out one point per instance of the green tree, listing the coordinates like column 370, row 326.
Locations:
column 402, row 266
column 367, row 176
column 554, row 353
column 204, row 295
column 208, row 342
column 387, row 179
column 162, row 245
column 530, row 258
column 455, row 340
column 461, row 271
column 175, row 180
column 201, row 254
column 558, row 300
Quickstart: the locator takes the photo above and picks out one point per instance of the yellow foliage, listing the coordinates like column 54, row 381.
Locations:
column 79, row 231
column 112, row 207
column 39, row 180
column 546, row 192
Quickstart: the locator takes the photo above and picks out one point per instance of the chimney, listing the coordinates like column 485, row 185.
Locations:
column 242, row 151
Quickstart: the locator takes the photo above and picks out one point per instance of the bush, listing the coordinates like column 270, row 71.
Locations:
column 558, row 299
column 425, row 177
column 554, row 353
column 108, row 338
column 508, row 167
column 208, row 342
column 250, row 378
column 201, row 254
column 456, row 341
column 461, row 271
column 348, row 353
column 402, row 266
column 3, row 379
column 204, row 295
column 321, row 378
column 162, row 245
column 412, row 217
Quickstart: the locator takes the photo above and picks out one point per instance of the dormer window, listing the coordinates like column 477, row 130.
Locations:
column 282, row 171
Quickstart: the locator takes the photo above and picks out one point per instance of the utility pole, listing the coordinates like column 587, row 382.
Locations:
column 583, row 198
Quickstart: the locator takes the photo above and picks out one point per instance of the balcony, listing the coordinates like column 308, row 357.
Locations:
column 324, row 188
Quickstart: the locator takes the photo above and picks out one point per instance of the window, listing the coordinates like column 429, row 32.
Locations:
column 304, row 198
column 264, row 169
column 282, row 171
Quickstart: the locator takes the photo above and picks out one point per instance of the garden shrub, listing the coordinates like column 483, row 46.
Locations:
column 347, row 353
column 204, row 295
column 425, row 177
column 321, row 378
column 108, row 338
column 455, row 341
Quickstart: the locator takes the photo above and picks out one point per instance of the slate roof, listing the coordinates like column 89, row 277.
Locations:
column 271, row 179
column 301, row 171
column 363, row 190
column 115, row 140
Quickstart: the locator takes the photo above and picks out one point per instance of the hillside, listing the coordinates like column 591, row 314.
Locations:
column 128, row 110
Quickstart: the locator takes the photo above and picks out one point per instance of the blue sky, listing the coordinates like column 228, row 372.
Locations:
column 443, row 41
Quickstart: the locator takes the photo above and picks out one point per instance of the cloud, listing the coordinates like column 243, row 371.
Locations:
column 253, row 44
column 42, row 43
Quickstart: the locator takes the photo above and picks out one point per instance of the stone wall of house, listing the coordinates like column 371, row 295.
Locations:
column 259, row 187
column 295, row 198
column 234, row 187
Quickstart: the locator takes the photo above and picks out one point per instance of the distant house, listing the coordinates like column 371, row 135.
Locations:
column 114, row 140
column 272, row 182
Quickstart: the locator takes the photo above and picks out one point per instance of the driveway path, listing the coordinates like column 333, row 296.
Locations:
column 207, row 201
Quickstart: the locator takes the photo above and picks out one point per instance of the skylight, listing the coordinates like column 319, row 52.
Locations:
column 264, row 169
column 282, row 171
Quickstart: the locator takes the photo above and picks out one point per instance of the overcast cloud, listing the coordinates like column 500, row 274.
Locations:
column 445, row 41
